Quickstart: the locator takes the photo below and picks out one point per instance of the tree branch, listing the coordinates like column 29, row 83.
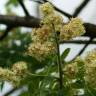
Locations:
column 5, row 33
column 59, row 10
column 79, row 9
column 17, row 21
column 64, row 13
column 77, row 42
column 12, row 91
column 24, row 8
column 83, row 49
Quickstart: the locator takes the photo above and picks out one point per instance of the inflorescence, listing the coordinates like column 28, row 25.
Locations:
column 43, row 38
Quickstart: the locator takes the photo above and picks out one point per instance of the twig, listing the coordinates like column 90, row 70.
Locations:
column 24, row 8
column 82, row 50
column 5, row 33
column 12, row 91
column 79, row 9
column 59, row 10
column 64, row 13
column 77, row 42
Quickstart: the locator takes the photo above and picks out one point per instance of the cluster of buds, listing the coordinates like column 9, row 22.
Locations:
column 72, row 69
column 43, row 38
column 16, row 74
column 42, row 34
column 73, row 29
column 8, row 75
column 41, row 51
column 90, row 66
column 90, row 57
column 20, row 69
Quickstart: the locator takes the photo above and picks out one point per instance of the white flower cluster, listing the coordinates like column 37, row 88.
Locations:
column 90, row 66
column 43, row 38
column 88, row 63
column 16, row 74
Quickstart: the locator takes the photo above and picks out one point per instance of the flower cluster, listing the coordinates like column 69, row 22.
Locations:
column 73, row 29
column 43, row 38
column 41, row 51
column 90, row 57
column 90, row 65
column 71, row 70
column 20, row 68
column 16, row 74
column 42, row 34
column 8, row 75
column 86, row 66
column 53, row 19
column 47, row 8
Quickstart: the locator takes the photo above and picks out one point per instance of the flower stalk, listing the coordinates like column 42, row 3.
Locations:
column 58, row 59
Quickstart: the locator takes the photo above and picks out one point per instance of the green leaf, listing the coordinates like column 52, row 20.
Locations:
column 64, row 54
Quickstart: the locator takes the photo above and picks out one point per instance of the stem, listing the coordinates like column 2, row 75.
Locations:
column 58, row 60
column 59, row 64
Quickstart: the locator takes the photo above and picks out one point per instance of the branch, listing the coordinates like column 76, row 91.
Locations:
column 5, row 33
column 12, row 91
column 77, row 42
column 83, row 49
column 90, row 30
column 17, row 21
column 24, row 8
column 64, row 13
column 86, row 45
column 80, row 8
column 59, row 10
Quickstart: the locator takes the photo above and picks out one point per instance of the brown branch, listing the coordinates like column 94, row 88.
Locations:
column 80, row 8
column 90, row 30
column 17, row 21
column 10, row 27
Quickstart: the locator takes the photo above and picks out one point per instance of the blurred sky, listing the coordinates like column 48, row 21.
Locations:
column 87, row 15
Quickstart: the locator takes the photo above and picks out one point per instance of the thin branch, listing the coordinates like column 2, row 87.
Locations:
column 12, row 91
column 64, row 13
column 77, row 42
column 59, row 10
column 5, row 33
column 83, row 49
column 24, row 8
column 80, row 8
